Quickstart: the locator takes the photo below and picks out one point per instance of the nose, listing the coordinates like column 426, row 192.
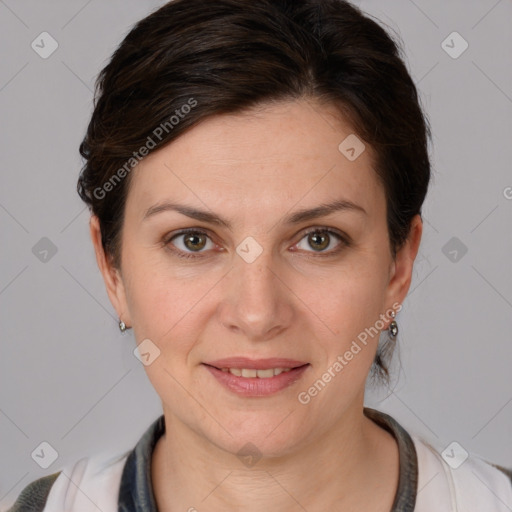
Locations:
column 257, row 303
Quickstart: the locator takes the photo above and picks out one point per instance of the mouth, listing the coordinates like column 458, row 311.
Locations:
column 249, row 377
column 248, row 373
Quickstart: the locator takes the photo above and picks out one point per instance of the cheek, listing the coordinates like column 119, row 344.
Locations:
column 350, row 307
column 346, row 350
column 162, row 308
column 347, row 299
column 168, row 307
column 152, row 299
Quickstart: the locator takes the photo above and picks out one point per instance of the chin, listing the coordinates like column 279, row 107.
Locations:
column 258, row 435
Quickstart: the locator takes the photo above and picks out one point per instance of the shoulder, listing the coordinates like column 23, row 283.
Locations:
column 455, row 480
column 85, row 485
column 33, row 497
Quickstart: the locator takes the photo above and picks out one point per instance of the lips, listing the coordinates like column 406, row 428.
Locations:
column 256, row 377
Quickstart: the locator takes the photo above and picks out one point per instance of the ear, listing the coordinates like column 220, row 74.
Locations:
column 111, row 275
column 402, row 266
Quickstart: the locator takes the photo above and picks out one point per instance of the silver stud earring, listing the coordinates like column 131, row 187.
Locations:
column 393, row 326
column 122, row 326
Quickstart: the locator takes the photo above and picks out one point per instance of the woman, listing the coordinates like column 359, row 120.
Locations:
column 255, row 172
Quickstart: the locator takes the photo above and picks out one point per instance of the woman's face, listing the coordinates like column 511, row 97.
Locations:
column 257, row 270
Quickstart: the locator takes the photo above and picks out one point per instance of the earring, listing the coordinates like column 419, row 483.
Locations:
column 393, row 326
column 122, row 326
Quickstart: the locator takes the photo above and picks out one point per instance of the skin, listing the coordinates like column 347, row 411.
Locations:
column 254, row 169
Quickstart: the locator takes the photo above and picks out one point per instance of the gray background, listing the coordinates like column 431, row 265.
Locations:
column 67, row 375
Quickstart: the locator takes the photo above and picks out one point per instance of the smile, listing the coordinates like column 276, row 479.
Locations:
column 251, row 373
column 257, row 382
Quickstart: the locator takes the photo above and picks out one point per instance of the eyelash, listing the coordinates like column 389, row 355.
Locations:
column 344, row 240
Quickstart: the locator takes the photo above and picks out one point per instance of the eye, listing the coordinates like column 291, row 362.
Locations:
column 192, row 243
column 185, row 243
column 321, row 239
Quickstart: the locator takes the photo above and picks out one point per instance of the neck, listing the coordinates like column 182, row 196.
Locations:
column 336, row 470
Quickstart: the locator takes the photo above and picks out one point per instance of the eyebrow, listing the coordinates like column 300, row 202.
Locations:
column 294, row 218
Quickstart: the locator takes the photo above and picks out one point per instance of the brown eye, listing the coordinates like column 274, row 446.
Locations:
column 322, row 241
column 194, row 241
column 188, row 242
column 319, row 240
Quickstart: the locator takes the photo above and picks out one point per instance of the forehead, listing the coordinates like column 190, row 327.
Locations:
column 271, row 156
